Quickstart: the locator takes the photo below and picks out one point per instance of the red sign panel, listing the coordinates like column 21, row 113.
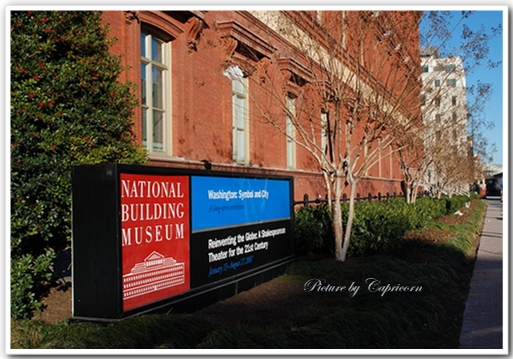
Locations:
column 155, row 238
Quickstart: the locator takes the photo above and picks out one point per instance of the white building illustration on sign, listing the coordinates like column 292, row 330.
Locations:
column 155, row 273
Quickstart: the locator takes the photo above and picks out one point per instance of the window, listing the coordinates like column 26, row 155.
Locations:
column 451, row 82
column 325, row 131
column 244, row 49
column 343, row 23
column 438, row 101
column 155, row 84
column 425, row 69
column 438, row 119
column 450, row 68
column 455, row 100
column 240, row 120
column 437, row 83
column 423, row 100
column 318, row 16
column 291, row 131
column 380, row 141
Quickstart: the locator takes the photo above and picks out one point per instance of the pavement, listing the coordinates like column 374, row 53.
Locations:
column 482, row 326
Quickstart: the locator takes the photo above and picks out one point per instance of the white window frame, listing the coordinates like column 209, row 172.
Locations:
column 324, row 131
column 318, row 16
column 290, row 131
column 343, row 29
column 450, row 82
column 148, row 129
column 380, row 159
column 240, row 120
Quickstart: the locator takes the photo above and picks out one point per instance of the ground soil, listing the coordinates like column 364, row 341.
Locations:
column 251, row 305
column 57, row 305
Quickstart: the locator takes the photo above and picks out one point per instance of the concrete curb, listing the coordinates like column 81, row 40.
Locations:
column 482, row 326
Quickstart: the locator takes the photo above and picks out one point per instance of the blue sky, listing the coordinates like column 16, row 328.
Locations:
column 494, row 107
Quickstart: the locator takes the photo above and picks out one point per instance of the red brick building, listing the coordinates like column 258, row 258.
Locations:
column 191, row 112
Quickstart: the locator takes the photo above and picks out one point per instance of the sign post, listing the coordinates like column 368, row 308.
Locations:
column 147, row 238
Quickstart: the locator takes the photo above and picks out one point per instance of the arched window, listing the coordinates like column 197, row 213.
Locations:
column 155, row 92
column 240, row 116
column 291, row 130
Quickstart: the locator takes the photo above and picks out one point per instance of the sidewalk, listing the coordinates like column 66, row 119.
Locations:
column 482, row 321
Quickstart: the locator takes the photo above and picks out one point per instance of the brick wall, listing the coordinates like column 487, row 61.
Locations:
column 201, row 96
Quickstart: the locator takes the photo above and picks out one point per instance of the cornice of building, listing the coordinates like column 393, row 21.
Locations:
column 283, row 25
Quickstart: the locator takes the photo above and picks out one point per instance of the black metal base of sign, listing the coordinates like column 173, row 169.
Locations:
column 196, row 300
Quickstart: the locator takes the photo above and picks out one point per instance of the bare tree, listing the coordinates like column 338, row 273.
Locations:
column 456, row 120
column 343, row 92
column 413, row 161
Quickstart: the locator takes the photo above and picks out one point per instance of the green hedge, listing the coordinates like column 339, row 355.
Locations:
column 67, row 109
column 454, row 203
column 377, row 226
column 313, row 230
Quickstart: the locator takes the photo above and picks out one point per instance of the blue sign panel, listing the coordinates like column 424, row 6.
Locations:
column 219, row 202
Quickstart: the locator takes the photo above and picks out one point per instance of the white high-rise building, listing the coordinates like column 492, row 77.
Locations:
column 444, row 107
column 444, row 96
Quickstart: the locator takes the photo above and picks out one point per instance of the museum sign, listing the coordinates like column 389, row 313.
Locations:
column 152, row 238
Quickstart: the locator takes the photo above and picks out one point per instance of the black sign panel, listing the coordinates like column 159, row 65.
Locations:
column 220, row 254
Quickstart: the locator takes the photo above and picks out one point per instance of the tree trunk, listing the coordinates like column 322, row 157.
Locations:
column 407, row 193
column 349, row 224
column 412, row 192
column 327, row 181
column 415, row 192
column 413, row 196
column 336, row 214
